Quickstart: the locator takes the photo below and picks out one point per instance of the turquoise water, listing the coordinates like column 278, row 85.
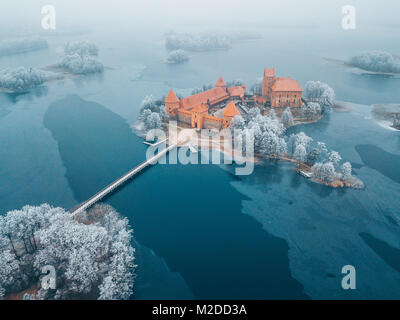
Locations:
column 202, row 232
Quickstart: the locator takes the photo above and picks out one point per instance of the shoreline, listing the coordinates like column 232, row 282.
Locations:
column 351, row 68
column 258, row 159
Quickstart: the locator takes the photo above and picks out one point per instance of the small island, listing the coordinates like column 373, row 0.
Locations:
column 371, row 62
column 387, row 115
column 207, row 41
column 275, row 104
column 177, row 56
column 80, row 59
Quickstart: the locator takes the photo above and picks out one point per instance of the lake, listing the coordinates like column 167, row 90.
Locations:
column 202, row 232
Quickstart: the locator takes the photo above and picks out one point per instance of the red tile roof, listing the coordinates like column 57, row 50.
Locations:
column 237, row 91
column 200, row 108
column 231, row 110
column 213, row 96
column 171, row 98
column 286, row 84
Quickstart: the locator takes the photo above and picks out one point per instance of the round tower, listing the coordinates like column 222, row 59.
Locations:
column 171, row 103
column 220, row 83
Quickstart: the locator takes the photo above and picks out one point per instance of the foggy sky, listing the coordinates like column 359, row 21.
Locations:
column 117, row 13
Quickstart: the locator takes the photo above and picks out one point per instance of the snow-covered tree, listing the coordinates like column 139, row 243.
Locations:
column 80, row 58
column 79, row 64
column 91, row 252
column 152, row 113
column 272, row 145
column 82, row 48
column 9, row 269
column 299, row 139
column 376, row 61
column 347, row 170
column 205, row 41
column 300, row 153
column 177, row 56
column 153, row 121
column 287, row 118
column 237, row 123
column 335, row 158
column 311, row 110
column 21, row 79
column 324, row 171
column 263, row 128
column 317, row 153
column 154, row 105
column 316, row 91
column 272, row 114
column 252, row 114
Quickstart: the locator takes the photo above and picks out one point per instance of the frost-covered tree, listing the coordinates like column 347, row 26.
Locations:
column 22, row 45
column 205, row 41
column 237, row 123
column 287, row 118
column 311, row 110
column 9, row 268
column 376, row 61
column 82, row 48
column 177, row 56
column 299, row 139
column 252, row 114
column 272, row 114
column 324, row 171
column 153, row 121
column 316, row 91
column 335, row 158
column 317, row 153
column 79, row 64
column 80, row 58
column 152, row 113
column 268, row 133
column 91, row 252
column 347, row 170
column 21, row 79
column 152, row 104
column 300, row 153
column 272, row 145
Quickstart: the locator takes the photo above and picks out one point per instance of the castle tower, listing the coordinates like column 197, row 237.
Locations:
column 268, row 81
column 229, row 113
column 171, row 103
column 220, row 83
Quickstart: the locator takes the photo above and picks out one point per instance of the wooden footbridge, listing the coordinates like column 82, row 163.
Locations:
column 120, row 181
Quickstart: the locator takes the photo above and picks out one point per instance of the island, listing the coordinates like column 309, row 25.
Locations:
column 263, row 116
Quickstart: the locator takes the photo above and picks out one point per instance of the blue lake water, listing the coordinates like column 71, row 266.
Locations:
column 202, row 232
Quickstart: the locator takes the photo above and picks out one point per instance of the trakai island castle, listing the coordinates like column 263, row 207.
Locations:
column 215, row 108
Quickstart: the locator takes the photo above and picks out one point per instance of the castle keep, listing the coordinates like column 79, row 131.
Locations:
column 279, row 92
column 195, row 110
